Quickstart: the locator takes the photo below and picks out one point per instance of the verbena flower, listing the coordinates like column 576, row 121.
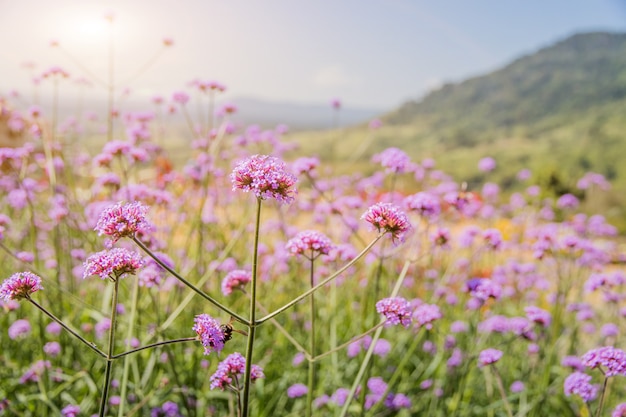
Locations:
column 538, row 315
column 310, row 243
column 487, row 164
column 396, row 310
column 579, row 384
column 426, row 204
column 266, row 176
column 70, row 411
column 236, row 279
column 20, row 285
column 489, row 356
column 297, row 390
column 425, row 314
column 122, row 220
column 388, row 217
column 19, row 328
column 113, row 263
column 233, row 366
column 394, row 160
column 210, row 333
column 610, row 359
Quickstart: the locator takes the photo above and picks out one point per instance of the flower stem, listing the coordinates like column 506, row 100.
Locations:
column 311, row 373
column 90, row 345
column 507, row 405
column 109, row 356
column 252, row 323
column 153, row 345
column 321, row 284
column 606, row 381
column 189, row 284
column 129, row 335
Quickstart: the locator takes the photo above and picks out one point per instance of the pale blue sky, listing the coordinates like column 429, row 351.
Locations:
column 369, row 53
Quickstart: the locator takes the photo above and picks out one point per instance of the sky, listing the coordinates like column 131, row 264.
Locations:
column 373, row 54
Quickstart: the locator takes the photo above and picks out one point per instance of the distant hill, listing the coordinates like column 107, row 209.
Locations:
column 560, row 112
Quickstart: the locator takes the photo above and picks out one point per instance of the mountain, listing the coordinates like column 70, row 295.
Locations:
column 560, row 112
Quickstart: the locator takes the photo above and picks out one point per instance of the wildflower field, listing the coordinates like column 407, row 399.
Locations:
column 244, row 278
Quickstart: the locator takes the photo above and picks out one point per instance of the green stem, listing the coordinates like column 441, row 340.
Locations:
column 311, row 373
column 190, row 285
column 109, row 356
column 90, row 345
column 507, row 405
column 153, row 345
column 599, row 412
column 252, row 323
column 321, row 284
column 129, row 335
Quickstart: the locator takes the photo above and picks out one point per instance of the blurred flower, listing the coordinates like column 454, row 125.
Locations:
column 70, row 411
column 396, row 310
column 297, row 390
column 489, row 356
column 487, row 164
column 578, row 383
column 309, row 243
column 611, row 360
column 236, row 279
column 19, row 328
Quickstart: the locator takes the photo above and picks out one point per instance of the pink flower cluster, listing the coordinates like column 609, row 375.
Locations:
column 310, row 243
column 266, row 176
column 388, row 217
column 122, row 220
column 231, row 367
column 20, row 285
column 236, row 279
column 112, row 263
column 396, row 310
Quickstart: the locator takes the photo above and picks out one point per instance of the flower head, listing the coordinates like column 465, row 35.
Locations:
column 425, row 314
column 310, row 244
column 210, row 333
column 489, row 356
column 20, row 285
column 232, row 366
column 619, row 411
column 612, row 360
column 112, row 263
column 70, row 411
column 396, row 310
column 388, row 217
column 579, row 384
column 394, row 160
column 266, row 176
column 297, row 390
column 123, row 220
column 236, row 279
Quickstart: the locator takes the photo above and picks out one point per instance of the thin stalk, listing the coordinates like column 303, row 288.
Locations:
column 311, row 373
column 599, row 411
column 343, row 345
column 507, row 405
column 109, row 356
column 321, row 284
column 190, row 285
column 252, row 323
column 90, row 345
column 129, row 335
column 153, row 345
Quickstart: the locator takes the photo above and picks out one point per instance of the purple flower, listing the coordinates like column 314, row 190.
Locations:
column 113, row 263
column 397, row 401
column 610, row 359
column 567, row 201
column 619, row 411
column 489, row 356
column 382, row 348
column 517, row 386
column 19, row 328
column 426, row 204
column 20, row 285
column 123, row 220
column 578, row 383
column 573, row 362
column 493, row 238
column 210, row 333
column 425, row 314
column 70, row 411
column 309, row 243
column 305, row 165
column 376, row 385
column 538, row 315
column 231, row 367
column 236, row 279
column 297, row 390
column 388, row 217
column 487, row 164
column 266, row 176
column 394, row 160
column 52, row 348
column 396, row 310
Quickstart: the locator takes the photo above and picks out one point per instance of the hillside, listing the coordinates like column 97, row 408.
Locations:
column 560, row 112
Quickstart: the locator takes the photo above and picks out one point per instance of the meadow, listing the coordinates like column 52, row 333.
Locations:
column 241, row 275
